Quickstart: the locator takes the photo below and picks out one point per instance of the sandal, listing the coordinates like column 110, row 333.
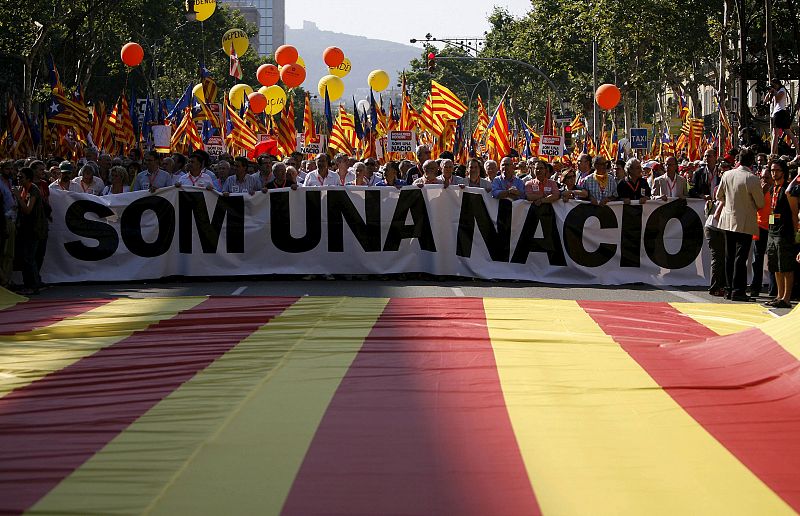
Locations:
column 782, row 304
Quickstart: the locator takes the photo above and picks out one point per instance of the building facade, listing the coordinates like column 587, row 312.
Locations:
column 270, row 18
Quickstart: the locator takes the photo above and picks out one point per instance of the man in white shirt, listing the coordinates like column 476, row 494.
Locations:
column 343, row 173
column 197, row 176
column 153, row 176
column 88, row 182
column 321, row 176
column 671, row 185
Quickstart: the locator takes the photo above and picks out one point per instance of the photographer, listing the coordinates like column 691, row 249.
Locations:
column 781, row 118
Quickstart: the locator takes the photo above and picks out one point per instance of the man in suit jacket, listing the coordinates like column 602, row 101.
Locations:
column 671, row 184
column 742, row 195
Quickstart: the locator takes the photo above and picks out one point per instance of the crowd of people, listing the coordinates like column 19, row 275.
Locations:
column 750, row 197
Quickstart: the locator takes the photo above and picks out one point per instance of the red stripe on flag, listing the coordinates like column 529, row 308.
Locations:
column 51, row 427
column 27, row 316
column 744, row 388
column 419, row 423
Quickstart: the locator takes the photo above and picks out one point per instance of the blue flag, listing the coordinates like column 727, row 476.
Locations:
column 359, row 127
column 328, row 114
column 149, row 116
column 182, row 104
column 373, row 111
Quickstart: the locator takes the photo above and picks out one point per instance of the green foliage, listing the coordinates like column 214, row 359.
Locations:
column 85, row 36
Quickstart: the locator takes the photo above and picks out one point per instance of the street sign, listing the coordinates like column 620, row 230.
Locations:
column 401, row 141
column 551, row 146
column 638, row 138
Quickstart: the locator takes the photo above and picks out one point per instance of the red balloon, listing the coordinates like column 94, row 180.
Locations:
column 333, row 56
column 293, row 75
column 131, row 54
column 607, row 96
column 286, row 54
column 258, row 102
column 268, row 74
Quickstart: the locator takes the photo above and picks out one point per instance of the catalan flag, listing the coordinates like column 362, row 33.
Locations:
column 101, row 134
column 429, row 120
column 124, row 126
column 577, row 123
column 209, row 85
column 445, row 104
column 287, row 133
column 343, row 132
column 309, row 131
column 499, row 133
column 18, row 129
column 239, row 135
column 483, row 121
column 571, row 408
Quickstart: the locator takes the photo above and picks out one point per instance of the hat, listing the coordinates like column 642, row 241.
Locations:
column 66, row 166
column 650, row 164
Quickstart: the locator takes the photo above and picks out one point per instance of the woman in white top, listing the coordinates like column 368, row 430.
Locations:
column 119, row 178
column 781, row 118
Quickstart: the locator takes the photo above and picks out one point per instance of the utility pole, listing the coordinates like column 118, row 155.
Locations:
column 722, row 90
column 594, row 87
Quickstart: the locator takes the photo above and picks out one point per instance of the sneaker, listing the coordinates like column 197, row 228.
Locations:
column 782, row 304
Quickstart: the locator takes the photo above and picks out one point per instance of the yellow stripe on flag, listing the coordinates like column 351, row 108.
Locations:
column 597, row 434
column 9, row 299
column 725, row 319
column 30, row 356
column 783, row 330
column 231, row 439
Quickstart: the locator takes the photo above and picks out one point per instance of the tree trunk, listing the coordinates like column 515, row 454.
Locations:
column 744, row 109
column 771, row 72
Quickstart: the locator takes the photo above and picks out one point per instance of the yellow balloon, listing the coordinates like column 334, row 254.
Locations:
column 335, row 87
column 276, row 98
column 341, row 70
column 378, row 80
column 301, row 62
column 203, row 8
column 238, row 94
column 239, row 39
column 197, row 92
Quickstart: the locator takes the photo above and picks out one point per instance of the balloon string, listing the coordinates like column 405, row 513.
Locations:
column 203, row 40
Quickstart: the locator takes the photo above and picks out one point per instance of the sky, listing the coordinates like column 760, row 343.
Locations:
column 400, row 21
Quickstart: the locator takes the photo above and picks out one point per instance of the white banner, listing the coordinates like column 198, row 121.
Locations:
column 359, row 230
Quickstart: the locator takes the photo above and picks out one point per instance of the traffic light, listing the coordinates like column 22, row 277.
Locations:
column 431, row 62
column 568, row 136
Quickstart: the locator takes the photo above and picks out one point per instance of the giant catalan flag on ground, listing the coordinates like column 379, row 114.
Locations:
column 335, row 405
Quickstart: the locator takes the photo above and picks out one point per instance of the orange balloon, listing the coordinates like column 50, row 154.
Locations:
column 333, row 56
column 293, row 75
column 286, row 54
column 131, row 54
column 258, row 102
column 607, row 96
column 267, row 74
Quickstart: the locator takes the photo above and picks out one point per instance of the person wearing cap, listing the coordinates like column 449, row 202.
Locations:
column 88, row 182
column 64, row 182
column 741, row 194
column 153, row 176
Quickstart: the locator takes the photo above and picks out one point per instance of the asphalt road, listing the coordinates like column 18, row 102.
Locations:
column 373, row 287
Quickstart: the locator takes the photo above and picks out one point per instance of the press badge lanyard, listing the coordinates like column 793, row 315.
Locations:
column 775, row 198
